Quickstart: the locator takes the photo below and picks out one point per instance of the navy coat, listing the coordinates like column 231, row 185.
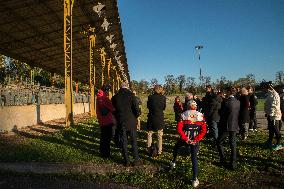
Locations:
column 229, row 115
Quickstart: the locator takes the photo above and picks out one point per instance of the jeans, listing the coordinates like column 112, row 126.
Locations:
column 233, row 146
column 244, row 130
column 133, row 136
column 214, row 129
column 193, row 151
column 106, row 135
column 160, row 140
column 253, row 120
column 273, row 127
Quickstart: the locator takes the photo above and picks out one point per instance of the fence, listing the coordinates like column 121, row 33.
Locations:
column 15, row 95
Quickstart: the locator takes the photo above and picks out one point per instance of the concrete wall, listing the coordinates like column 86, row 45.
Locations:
column 22, row 116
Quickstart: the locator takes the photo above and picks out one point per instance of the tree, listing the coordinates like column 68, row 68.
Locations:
column 249, row 80
column 169, row 83
column 134, row 85
column 143, row 86
column 154, row 82
column 279, row 78
column 190, row 84
column 221, row 83
column 207, row 80
column 181, row 80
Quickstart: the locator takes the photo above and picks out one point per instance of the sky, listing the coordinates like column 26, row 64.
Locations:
column 239, row 37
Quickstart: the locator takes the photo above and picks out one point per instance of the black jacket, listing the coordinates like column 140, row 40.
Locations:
column 126, row 109
column 178, row 109
column 229, row 115
column 156, row 105
column 244, row 109
column 214, row 110
column 253, row 102
column 207, row 101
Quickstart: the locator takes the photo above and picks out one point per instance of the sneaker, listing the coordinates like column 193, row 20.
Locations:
column 173, row 165
column 277, row 147
column 251, row 130
column 195, row 183
column 255, row 130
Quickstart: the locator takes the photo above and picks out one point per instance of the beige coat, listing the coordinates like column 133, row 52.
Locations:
column 272, row 105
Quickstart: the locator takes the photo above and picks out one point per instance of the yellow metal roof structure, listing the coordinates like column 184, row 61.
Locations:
column 32, row 31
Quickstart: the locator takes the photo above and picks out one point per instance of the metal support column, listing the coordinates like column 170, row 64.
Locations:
column 92, row 39
column 109, row 64
column 68, row 5
column 32, row 76
column 103, row 62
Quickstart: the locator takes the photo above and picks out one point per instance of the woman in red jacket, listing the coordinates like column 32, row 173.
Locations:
column 192, row 129
column 104, row 110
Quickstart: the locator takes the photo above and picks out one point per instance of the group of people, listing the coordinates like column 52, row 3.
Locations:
column 218, row 114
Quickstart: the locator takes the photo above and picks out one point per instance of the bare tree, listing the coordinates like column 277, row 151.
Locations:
column 181, row 80
column 279, row 78
column 170, row 83
column 143, row 86
column 154, row 82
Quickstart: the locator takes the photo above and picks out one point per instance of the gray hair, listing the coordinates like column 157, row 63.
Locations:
column 124, row 85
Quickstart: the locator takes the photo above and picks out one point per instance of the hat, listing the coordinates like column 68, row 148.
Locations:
column 266, row 85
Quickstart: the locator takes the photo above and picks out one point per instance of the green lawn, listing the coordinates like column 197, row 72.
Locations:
column 260, row 105
column 79, row 144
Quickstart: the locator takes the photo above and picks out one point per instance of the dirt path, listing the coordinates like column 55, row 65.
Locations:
column 46, row 182
column 54, row 168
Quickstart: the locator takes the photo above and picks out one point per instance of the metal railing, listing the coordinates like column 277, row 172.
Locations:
column 14, row 95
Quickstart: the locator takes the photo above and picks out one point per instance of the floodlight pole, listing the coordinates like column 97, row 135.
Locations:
column 198, row 48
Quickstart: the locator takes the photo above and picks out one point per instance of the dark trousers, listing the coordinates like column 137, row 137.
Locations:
column 233, row 146
column 273, row 127
column 132, row 134
column 253, row 120
column 106, row 135
column 193, row 151
column 213, row 126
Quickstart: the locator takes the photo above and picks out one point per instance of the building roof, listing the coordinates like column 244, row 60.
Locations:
column 32, row 31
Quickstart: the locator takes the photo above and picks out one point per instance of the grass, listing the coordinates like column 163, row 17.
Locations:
column 79, row 144
column 260, row 105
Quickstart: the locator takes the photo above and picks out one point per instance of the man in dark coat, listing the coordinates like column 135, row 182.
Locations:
column 252, row 112
column 126, row 113
column 229, row 126
column 208, row 101
column 214, row 115
column 156, row 105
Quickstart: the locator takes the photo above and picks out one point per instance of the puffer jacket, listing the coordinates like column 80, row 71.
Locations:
column 103, row 102
column 192, row 126
column 272, row 105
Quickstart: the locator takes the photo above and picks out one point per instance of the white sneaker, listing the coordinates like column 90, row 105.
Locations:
column 195, row 183
column 251, row 130
column 173, row 165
